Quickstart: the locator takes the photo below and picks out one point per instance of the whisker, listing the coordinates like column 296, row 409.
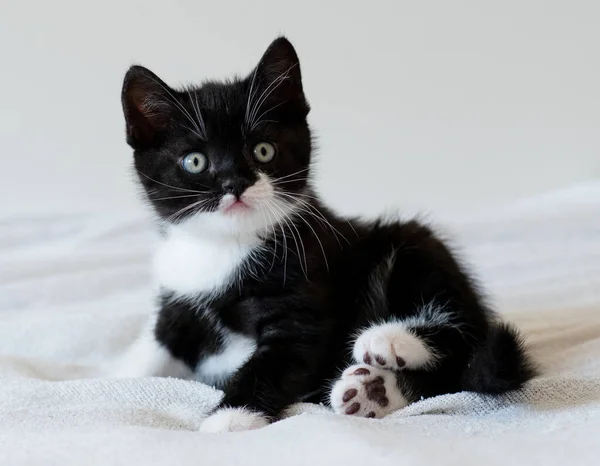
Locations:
column 292, row 174
column 352, row 227
column 273, row 223
column 173, row 197
column 193, row 132
column 264, row 121
column 285, row 247
column 194, row 205
column 199, row 115
column 199, row 121
column 268, row 91
column 258, row 103
column 179, row 105
column 268, row 205
column 317, row 238
column 315, row 213
column 295, row 180
column 299, row 242
column 250, row 96
column 283, row 218
column 259, row 120
column 176, row 188
column 270, row 222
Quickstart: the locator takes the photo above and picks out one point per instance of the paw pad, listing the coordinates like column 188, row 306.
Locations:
column 366, row 392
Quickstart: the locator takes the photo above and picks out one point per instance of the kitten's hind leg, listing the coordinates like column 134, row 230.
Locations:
column 393, row 346
column 378, row 387
column 146, row 357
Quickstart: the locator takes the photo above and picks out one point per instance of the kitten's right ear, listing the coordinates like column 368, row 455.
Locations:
column 147, row 106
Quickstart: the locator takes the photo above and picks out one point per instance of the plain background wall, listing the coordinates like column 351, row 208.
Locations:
column 443, row 105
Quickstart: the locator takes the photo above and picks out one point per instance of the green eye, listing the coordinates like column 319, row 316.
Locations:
column 194, row 163
column 264, row 152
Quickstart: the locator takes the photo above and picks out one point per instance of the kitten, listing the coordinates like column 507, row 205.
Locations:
column 267, row 294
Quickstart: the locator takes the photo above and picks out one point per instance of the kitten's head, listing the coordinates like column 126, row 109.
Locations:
column 226, row 157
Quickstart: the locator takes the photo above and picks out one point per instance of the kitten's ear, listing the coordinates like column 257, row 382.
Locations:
column 147, row 105
column 278, row 75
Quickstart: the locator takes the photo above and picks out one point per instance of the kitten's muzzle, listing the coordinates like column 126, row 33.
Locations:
column 235, row 186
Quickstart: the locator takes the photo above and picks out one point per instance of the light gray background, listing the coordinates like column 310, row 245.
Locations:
column 442, row 105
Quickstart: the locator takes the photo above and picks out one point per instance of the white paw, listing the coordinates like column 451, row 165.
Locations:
column 233, row 420
column 393, row 347
column 366, row 391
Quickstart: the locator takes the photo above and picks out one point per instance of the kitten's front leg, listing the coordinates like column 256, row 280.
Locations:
column 281, row 372
column 146, row 357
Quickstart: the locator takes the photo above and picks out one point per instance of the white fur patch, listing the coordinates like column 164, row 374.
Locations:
column 147, row 358
column 217, row 368
column 432, row 314
column 192, row 265
column 233, row 420
column 201, row 256
column 392, row 346
column 366, row 391
column 261, row 191
column 205, row 252
column 265, row 210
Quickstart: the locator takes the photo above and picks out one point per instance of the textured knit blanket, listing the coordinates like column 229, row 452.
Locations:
column 75, row 290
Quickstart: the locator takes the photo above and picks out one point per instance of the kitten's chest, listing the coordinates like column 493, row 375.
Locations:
column 191, row 266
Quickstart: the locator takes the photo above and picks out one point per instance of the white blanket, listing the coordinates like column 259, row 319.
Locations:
column 74, row 292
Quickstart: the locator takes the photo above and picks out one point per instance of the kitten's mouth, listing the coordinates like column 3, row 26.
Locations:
column 233, row 205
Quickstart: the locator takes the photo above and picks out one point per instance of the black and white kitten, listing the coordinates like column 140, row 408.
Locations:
column 270, row 296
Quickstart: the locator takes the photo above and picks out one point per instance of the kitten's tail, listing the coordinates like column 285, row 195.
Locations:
column 500, row 364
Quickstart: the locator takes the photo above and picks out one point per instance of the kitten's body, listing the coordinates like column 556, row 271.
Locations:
column 266, row 293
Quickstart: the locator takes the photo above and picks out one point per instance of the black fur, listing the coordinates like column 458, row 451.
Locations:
column 303, row 305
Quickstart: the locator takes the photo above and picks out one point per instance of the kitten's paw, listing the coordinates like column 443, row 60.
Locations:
column 366, row 391
column 391, row 346
column 233, row 420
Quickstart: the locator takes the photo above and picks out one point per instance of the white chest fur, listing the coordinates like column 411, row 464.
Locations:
column 190, row 265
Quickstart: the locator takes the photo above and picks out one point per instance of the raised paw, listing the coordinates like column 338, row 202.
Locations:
column 392, row 346
column 366, row 391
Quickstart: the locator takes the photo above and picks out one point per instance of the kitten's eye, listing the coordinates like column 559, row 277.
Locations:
column 194, row 163
column 264, row 152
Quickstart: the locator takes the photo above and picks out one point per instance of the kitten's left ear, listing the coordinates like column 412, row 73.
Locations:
column 279, row 77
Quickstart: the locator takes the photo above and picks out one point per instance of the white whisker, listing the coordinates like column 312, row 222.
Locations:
column 193, row 132
column 173, row 197
column 187, row 208
column 176, row 188
column 272, row 224
column 250, row 96
column 316, row 236
column 277, row 183
column 310, row 209
column 267, row 93
column 292, row 174
column 299, row 243
column 200, row 118
column 179, row 105
column 259, row 120
column 271, row 206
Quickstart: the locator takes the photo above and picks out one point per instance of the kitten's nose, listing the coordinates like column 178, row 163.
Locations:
column 235, row 186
